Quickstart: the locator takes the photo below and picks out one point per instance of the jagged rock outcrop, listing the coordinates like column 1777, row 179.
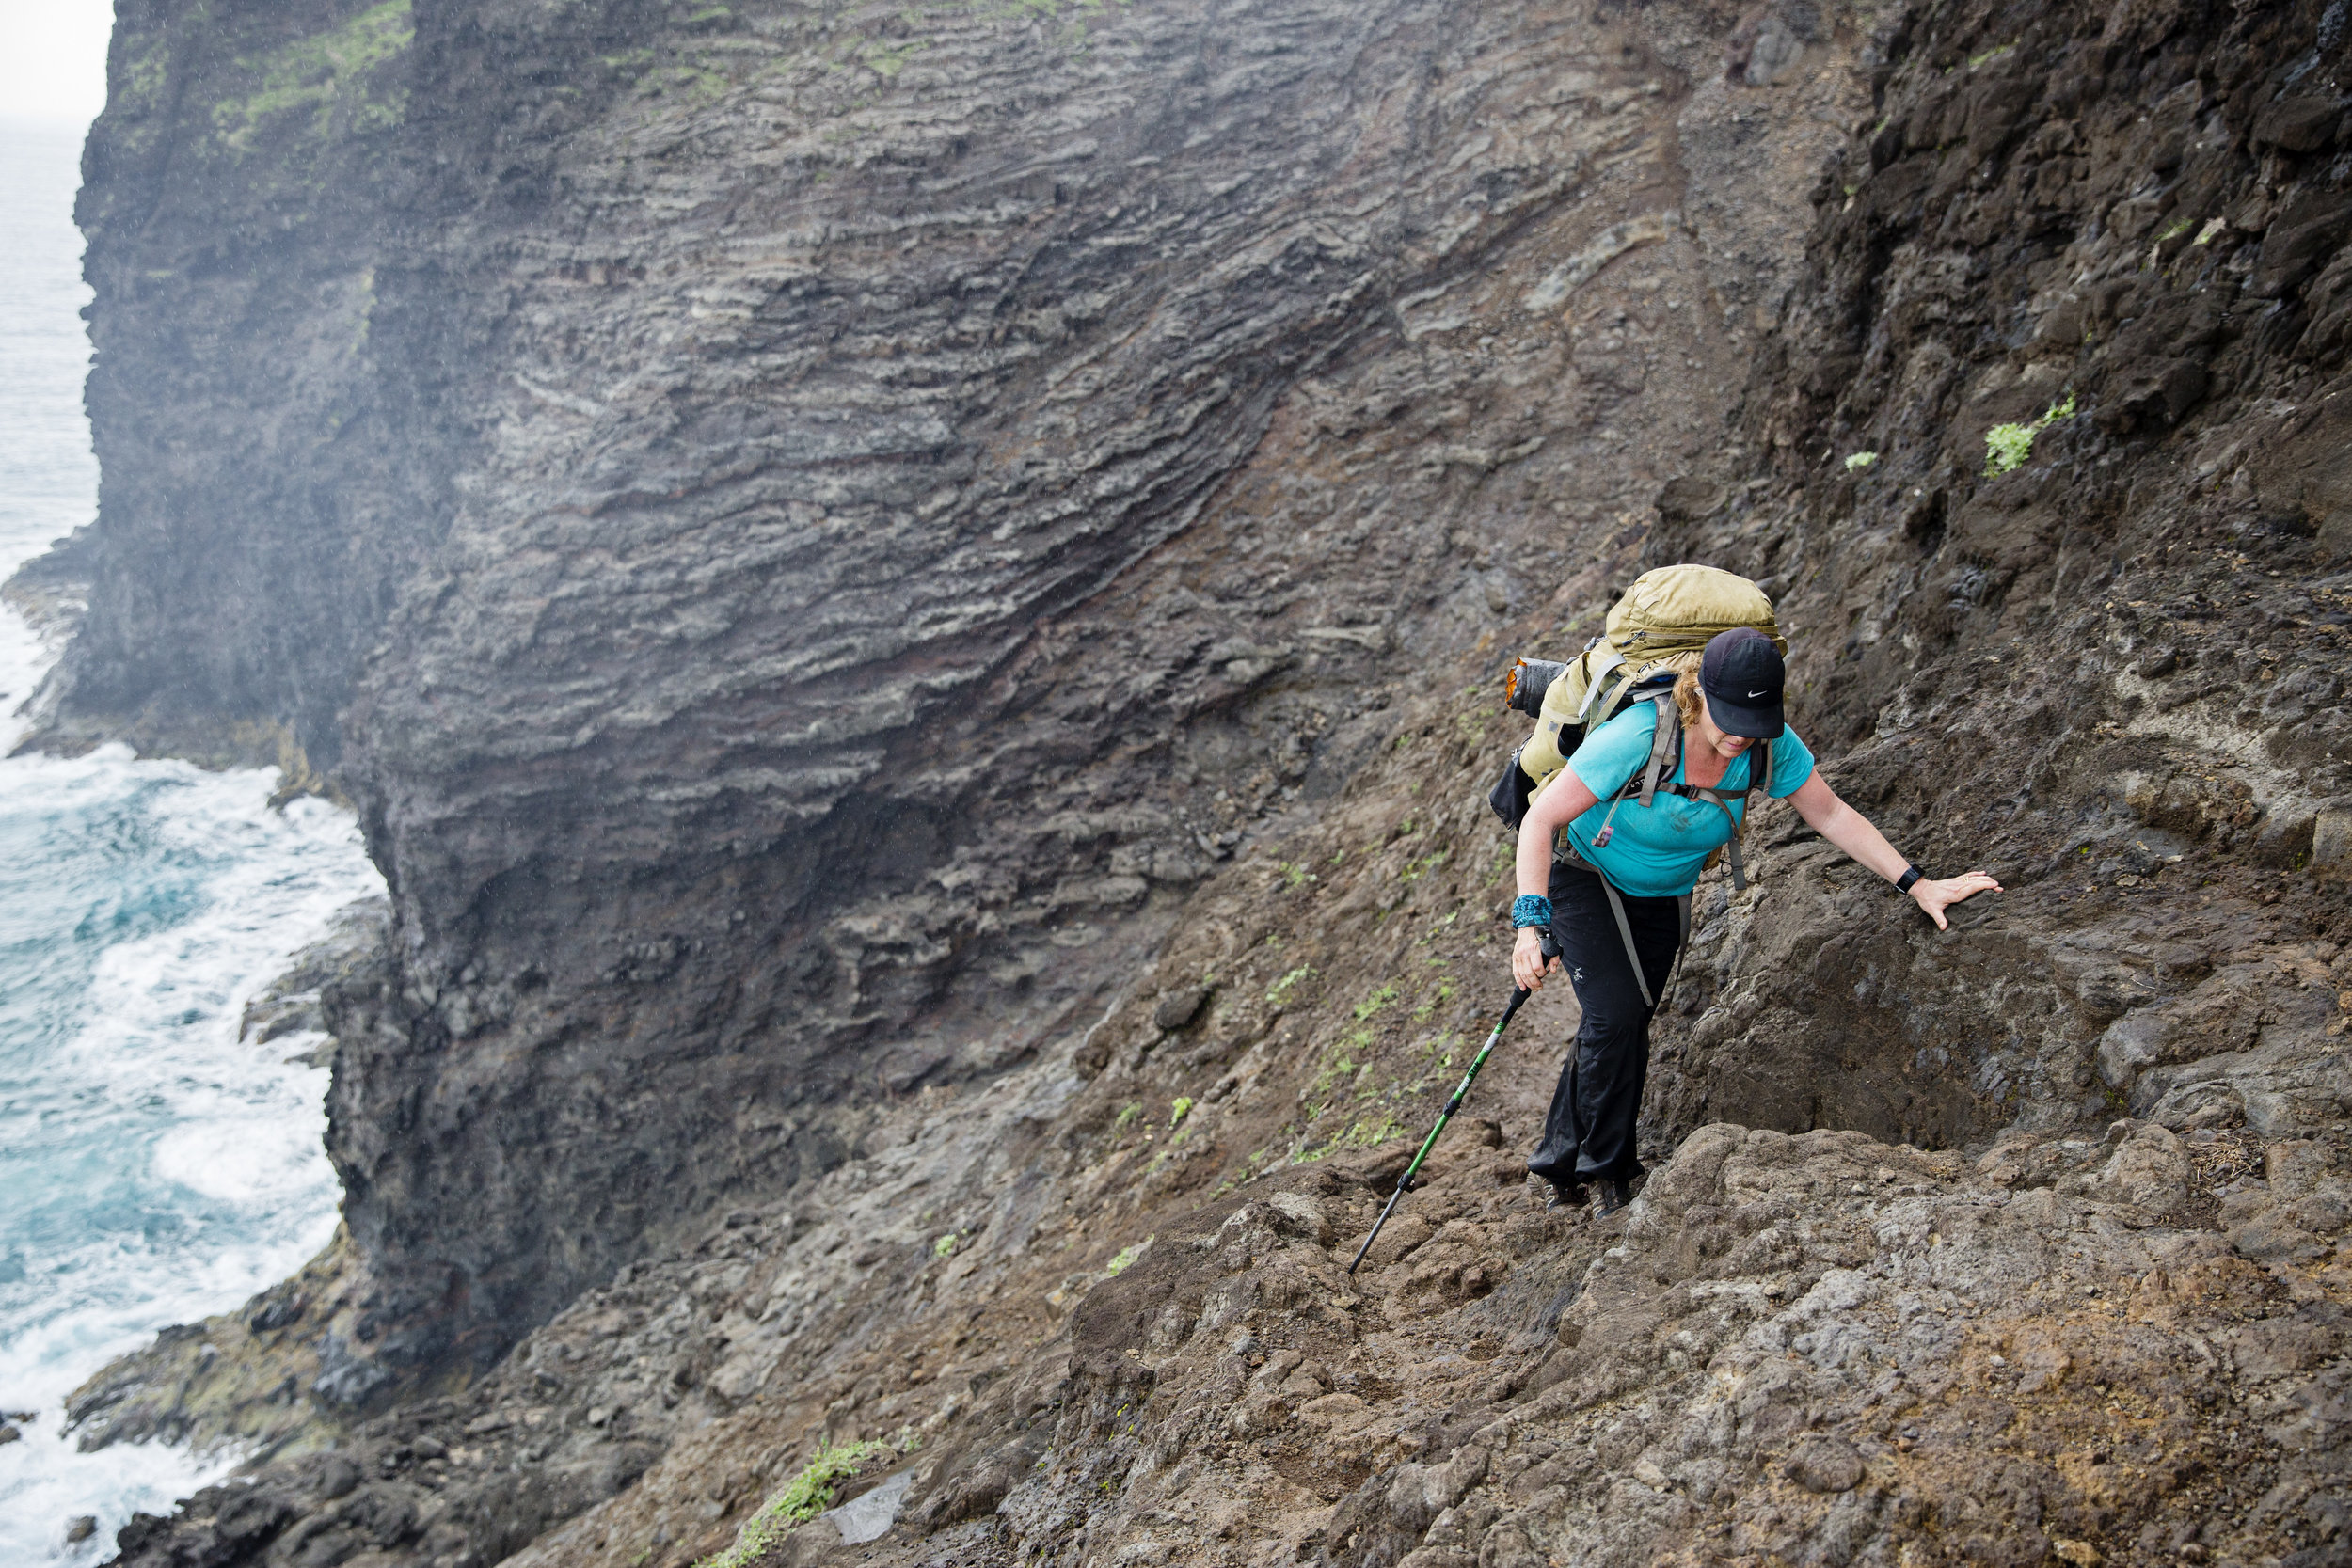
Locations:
column 1096, row 1332
column 2111, row 671
column 931, row 750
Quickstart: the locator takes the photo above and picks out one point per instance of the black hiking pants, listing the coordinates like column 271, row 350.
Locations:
column 1588, row 1136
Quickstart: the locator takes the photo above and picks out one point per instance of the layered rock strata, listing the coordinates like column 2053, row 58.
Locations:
column 883, row 503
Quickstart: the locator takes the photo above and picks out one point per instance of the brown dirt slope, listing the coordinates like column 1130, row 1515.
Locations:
column 1818, row 1344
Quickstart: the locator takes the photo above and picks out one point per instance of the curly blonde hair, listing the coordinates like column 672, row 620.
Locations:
column 1688, row 701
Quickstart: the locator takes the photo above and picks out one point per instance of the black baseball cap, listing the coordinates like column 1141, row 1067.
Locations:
column 1743, row 677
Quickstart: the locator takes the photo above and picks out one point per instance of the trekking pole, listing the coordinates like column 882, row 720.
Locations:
column 1404, row 1183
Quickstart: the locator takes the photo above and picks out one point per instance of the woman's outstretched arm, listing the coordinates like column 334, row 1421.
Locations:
column 1852, row 832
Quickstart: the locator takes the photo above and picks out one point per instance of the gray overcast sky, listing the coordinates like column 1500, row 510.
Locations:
column 53, row 58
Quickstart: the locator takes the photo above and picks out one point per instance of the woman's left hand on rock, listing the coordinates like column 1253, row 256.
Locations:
column 1942, row 893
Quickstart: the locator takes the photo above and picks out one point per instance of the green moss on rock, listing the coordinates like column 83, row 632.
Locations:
column 328, row 74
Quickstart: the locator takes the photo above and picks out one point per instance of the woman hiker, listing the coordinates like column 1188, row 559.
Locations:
column 1652, row 855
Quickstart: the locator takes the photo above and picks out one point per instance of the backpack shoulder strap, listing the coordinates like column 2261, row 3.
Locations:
column 1667, row 738
column 1758, row 783
column 1643, row 781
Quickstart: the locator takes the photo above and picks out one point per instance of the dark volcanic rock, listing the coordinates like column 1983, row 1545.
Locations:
column 2109, row 673
column 1179, row 1008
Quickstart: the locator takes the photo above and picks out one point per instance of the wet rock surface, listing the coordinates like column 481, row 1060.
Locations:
column 930, row 749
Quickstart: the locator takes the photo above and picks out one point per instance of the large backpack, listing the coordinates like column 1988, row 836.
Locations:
column 1673, row 609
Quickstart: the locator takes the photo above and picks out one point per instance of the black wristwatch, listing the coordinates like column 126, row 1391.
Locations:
column 1911, row 875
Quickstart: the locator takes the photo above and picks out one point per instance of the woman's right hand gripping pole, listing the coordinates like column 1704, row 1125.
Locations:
column 1533, row 954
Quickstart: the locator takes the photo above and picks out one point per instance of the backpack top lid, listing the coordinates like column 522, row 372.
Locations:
column 1677, row 609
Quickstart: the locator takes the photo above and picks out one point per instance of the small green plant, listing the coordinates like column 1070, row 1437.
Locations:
column 1127, row 1115
column 1340, row 1066
column 2008, row 446
column 1293, row 873
column 945, row 1247
column 1178, row 1109
column 1860, row 461
column 1377, row 1000
column 1127, row 1257
column 2005, row 448
column 1357, row 1135
column 1280, row 991
column 804, row 1497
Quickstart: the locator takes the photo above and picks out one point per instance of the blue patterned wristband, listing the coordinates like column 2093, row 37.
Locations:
column 1531, row 908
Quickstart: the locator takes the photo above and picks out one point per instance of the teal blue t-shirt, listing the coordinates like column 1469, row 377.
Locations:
column 1657, row 852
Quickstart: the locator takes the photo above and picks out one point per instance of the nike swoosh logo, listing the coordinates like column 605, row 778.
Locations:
column 1756, row 693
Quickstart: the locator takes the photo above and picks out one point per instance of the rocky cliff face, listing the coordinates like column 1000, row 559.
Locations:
column 2113, row 669
column 918, row 585
column 882, row 509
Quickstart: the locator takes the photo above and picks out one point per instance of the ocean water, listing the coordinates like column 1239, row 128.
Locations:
column 154, row 1169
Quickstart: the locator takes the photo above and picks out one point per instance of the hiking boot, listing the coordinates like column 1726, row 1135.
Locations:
column 1572, row 1196
column 1613, row 1197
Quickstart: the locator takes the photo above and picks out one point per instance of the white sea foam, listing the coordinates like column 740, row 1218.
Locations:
column 156, row 1168
column 183, row 1166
